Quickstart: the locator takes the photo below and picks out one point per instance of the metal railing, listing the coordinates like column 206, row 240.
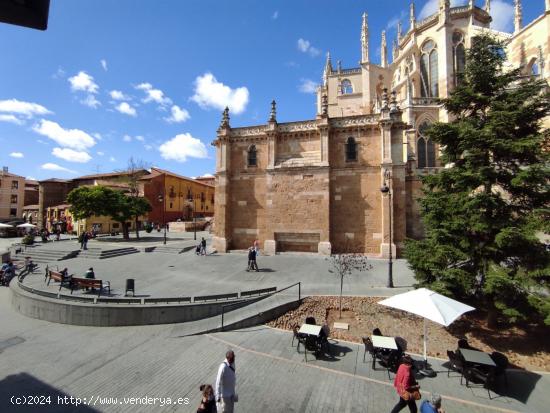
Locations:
column 299, row 284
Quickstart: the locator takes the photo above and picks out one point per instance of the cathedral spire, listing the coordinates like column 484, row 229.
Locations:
column 365, row 39
column 384, row 51
column 394, row 50
column 328, row 69
column 518, row 16
column 444, row 9
column 488, row 6
column 412, row 16
column 399, row 31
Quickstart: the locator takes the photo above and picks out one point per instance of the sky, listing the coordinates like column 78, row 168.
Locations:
column 110, row 80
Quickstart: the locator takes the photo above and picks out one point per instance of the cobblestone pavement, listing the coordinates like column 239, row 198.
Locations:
column 107, row 365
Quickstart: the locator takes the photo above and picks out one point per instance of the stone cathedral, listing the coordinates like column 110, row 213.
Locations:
column 314, row 185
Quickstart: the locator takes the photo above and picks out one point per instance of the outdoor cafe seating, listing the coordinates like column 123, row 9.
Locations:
column 478, row 367
column 312, row 337
column 383, row 349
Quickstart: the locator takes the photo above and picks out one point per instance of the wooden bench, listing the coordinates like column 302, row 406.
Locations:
column 63, row 280
column 90, row 283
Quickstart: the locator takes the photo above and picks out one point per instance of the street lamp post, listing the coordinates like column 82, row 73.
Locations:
column 386, row 190
column 161, row 200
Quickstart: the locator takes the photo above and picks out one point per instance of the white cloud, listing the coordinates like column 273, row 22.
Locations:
column 59, row 74
column 118, row 95
column 30, row 178
column 209, row 93
column 71, row 155
column 69, row 138
column 100, row 153
column 17, row 155
column 305, row 46
column 140, row 138
column 432, row 6
column 55, row 167
column 104, row 64
column 83, row 82
column 392, row 24
column 153, row 95
column 18, row 107
column 112, row 159
column 178, row 115
column 126, row 109
column 127, row 138
column 181, row 147
column 91, row 102
column 148, row 147
column 206, row 176
column 275, row 15
column 11, row 119
column 97, row 136
column 307, row 86
column 503, row 16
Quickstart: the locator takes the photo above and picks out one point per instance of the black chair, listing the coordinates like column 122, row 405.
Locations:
column 323, row 339
column 455, row 363
column 502, row 364
column 463, row 343
column 298, row 336
column 311, row 343
column 310, row 320
column 369, row 348
column 376, row 332
column 477, row 375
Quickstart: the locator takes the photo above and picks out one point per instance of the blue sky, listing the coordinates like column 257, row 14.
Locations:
column 110, row 80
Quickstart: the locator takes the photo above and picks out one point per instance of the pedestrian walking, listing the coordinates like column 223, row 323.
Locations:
column 85, row 238
column 252, row 265
column 226, row 396
column 203, row 246
column 406, row 387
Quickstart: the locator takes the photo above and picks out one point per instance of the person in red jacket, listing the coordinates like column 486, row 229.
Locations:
column 405, row 383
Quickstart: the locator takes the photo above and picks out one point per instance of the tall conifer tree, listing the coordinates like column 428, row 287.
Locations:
column 486, row 213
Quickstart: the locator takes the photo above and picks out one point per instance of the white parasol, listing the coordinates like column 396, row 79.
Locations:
column 429, row 305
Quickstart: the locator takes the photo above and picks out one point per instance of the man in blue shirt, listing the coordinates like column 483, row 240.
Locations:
column 432, row 406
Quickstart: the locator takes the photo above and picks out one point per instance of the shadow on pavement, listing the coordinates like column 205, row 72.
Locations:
column 25, row 393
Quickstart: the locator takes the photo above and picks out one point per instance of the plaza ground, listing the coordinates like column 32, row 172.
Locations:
column 42, row 358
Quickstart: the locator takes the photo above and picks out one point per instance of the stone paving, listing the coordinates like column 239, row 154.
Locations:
column 104, row 364
column 166, row 275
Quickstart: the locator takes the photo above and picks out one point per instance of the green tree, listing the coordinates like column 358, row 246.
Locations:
column 87, row 201
column 484, row 213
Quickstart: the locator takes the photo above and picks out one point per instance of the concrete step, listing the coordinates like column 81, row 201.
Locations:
column 97, row 253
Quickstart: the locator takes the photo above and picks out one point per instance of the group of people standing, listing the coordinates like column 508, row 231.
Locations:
column 408, row 391
column 223, row 397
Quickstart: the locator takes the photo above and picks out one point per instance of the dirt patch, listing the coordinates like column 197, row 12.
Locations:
column 526, row 347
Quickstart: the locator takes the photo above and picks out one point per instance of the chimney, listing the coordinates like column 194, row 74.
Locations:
column 4, row 169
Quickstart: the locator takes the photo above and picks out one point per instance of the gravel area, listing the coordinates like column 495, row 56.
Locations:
column 526, row 347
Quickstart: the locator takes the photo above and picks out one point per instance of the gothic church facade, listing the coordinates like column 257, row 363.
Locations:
column 315, row 185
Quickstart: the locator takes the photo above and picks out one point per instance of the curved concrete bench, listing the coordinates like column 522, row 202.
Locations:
column 102, row 313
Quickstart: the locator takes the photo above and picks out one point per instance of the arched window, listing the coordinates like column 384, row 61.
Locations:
column 428, row 70
column 421, row 155
column 346, row 87
column 252, row 160
column 425, row 148
column 351, row 150
column 459, row 56
column 534, row 69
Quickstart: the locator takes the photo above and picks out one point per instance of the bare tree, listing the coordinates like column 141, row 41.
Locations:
column 345, row 264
